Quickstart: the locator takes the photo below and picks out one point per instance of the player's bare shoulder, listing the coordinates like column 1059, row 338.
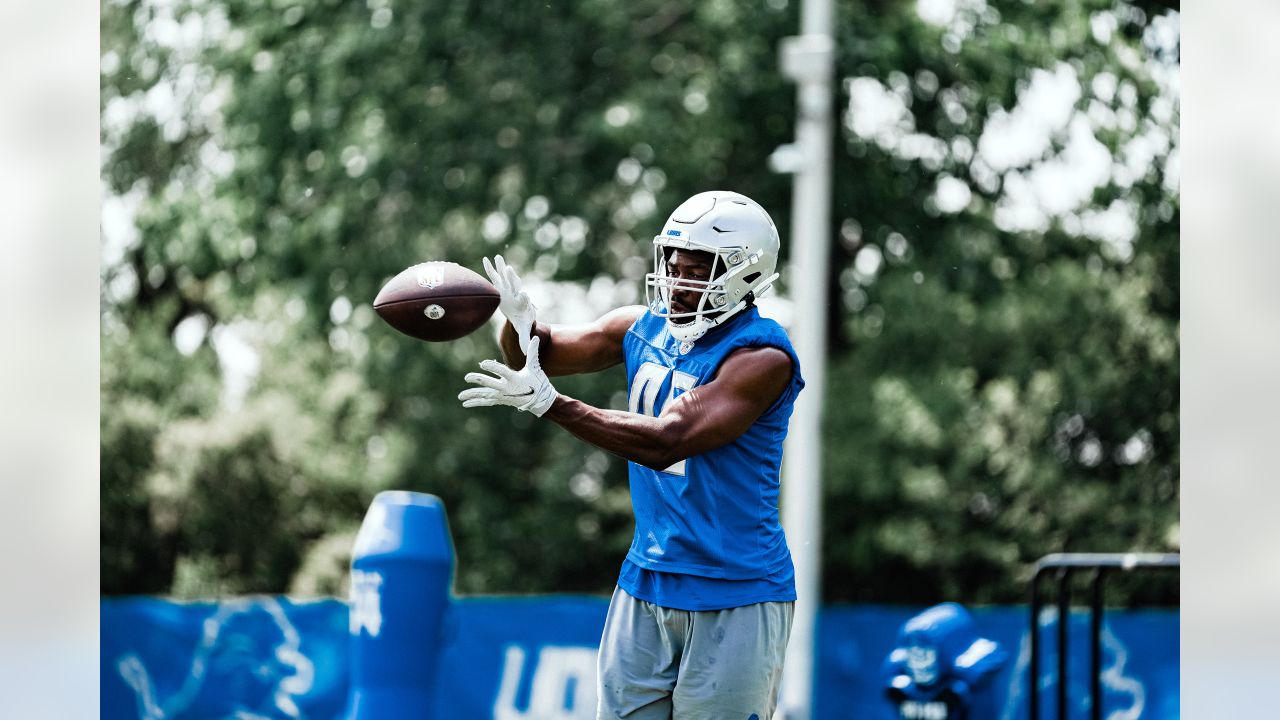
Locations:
column 590, row 347
column 762, row 371
column 617, row 322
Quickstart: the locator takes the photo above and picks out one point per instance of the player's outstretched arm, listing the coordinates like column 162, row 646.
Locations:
column 573, row 349
column 566, row 350
column 707, row 417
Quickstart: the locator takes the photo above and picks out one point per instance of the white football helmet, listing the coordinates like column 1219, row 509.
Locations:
column 745, row 243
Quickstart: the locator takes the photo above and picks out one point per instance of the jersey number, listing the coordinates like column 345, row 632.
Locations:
column 644, row 394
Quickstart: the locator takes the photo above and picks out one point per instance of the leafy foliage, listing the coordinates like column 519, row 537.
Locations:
column 1003, row 370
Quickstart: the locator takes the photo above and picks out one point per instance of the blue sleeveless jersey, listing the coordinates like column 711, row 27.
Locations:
column 713, row 515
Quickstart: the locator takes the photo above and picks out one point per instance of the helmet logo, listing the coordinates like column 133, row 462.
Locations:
column 674, row 233
column 922, row 662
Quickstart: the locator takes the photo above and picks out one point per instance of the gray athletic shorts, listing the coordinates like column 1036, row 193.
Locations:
column 656, row 662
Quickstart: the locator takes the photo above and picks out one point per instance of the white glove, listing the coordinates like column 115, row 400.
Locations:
column 514, row 302
column 527, row 389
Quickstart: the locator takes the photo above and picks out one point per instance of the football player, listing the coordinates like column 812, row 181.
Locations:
column 699, row 621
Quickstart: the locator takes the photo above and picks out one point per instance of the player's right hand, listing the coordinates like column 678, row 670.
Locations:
column 514, row 302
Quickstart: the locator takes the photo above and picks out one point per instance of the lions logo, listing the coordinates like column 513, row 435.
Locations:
column 922, row 663
column 246, row 665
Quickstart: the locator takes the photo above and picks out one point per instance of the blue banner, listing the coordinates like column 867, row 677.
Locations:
column 534, row 658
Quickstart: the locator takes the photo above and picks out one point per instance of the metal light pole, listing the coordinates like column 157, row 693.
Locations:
column 808, row 60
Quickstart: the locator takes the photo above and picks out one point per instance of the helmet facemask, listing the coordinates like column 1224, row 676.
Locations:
column 736, row 279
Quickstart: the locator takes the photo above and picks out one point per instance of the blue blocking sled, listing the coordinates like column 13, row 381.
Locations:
column 401, row 573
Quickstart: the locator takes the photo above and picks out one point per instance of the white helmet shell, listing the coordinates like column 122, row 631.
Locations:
column 745, row 243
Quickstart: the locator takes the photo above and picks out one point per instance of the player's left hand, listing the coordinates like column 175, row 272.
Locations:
column 514, row 301
column 528, row 389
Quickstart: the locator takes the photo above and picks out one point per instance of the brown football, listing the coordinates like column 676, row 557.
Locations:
column 436, row 301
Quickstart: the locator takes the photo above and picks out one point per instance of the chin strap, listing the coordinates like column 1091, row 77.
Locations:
column 747, row 302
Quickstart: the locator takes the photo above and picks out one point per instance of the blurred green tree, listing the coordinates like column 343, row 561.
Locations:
column 1004, row 335
column 1007, row 358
